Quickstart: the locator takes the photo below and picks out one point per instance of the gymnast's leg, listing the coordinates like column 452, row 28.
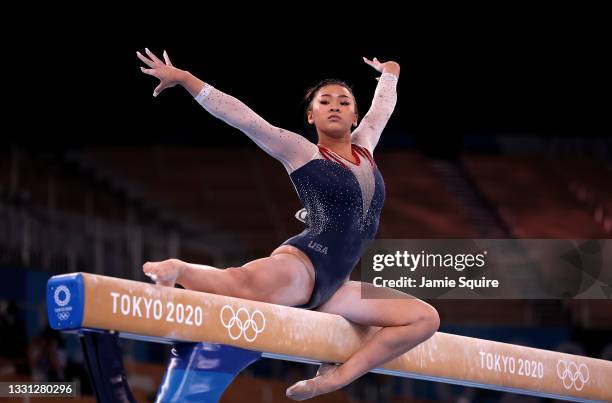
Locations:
column 405, row 321
column 284, row 278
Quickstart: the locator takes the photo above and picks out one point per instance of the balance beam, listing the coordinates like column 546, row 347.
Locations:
column 163, row 314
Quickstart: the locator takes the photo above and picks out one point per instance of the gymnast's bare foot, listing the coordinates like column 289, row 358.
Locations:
column 164, row 273
column 324, row 382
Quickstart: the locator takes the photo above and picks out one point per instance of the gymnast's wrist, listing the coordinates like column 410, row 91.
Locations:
column 392, row 68
column 182, row 77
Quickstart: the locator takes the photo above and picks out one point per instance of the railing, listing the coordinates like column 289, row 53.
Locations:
column 60, row 241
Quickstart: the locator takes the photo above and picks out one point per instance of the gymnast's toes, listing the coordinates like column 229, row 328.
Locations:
column 326, row 381
column 164, row 273
column 302, row 390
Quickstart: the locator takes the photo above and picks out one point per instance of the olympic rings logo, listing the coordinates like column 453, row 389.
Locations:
column 63, row 315
column 56, row 296
column 242, row 323
column 573, row 375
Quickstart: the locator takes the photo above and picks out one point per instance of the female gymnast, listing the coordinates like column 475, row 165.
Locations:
column 343, row 192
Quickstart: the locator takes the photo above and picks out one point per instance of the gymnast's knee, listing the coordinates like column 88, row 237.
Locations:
column 430, row 321
column 425, row 325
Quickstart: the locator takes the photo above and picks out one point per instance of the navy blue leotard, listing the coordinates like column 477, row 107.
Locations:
column 342, row 199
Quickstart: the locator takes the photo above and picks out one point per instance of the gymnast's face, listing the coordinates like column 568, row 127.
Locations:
column 332, row 111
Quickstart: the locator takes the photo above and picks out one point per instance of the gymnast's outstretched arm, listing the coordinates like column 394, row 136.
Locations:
column 291, row 149
column 368, row 132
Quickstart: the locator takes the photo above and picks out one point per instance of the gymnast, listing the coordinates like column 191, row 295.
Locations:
column 342, row 192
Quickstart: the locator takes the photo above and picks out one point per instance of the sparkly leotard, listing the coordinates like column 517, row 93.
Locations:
column 342, row 199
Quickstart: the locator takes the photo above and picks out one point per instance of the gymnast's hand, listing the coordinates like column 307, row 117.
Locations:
column 164, row 273
column 383, row 67
column 168, row 75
